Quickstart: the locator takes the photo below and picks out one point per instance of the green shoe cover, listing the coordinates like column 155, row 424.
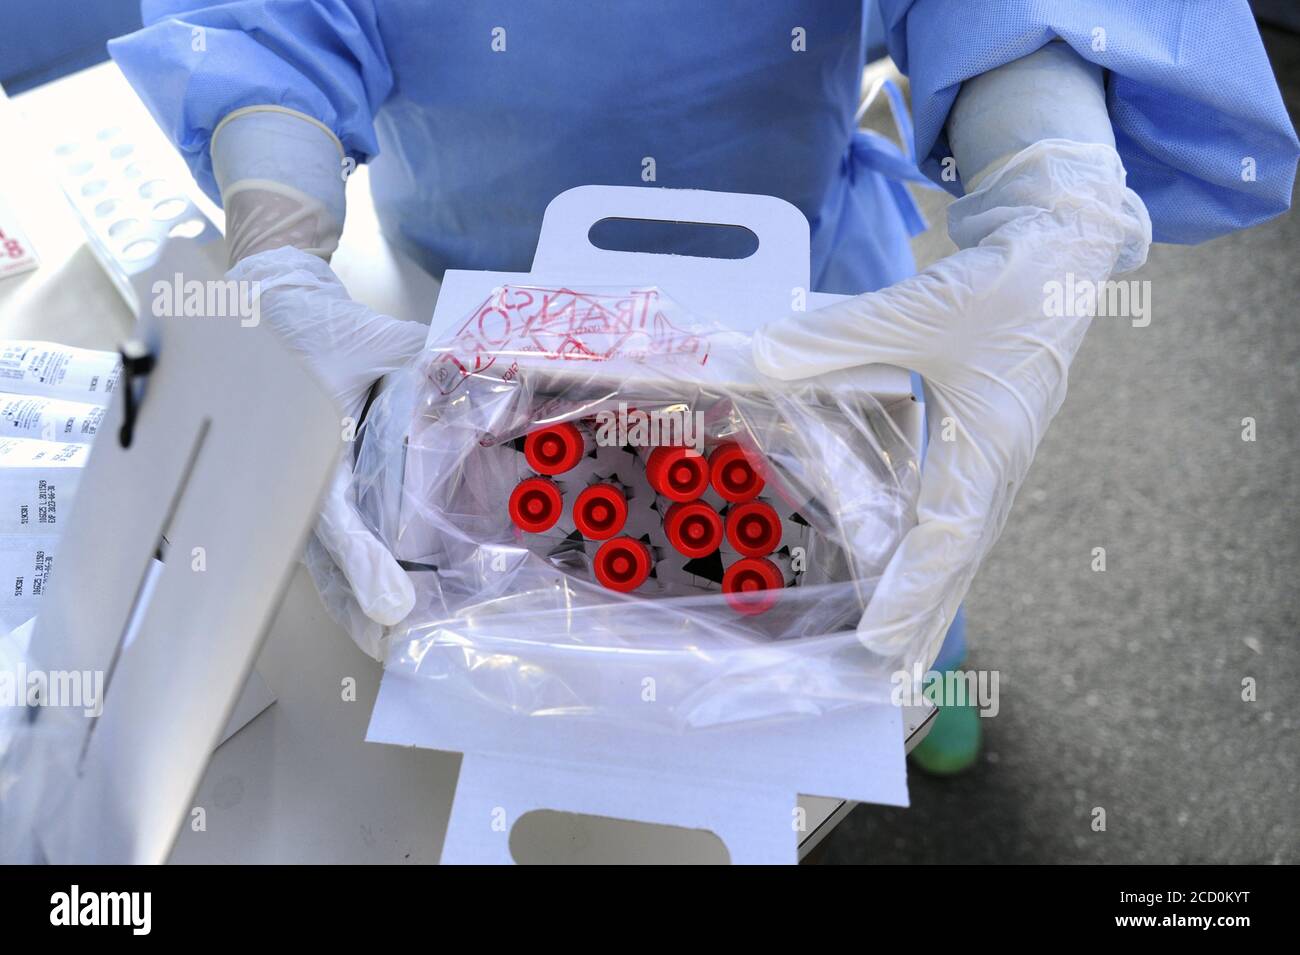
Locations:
column 953, row 744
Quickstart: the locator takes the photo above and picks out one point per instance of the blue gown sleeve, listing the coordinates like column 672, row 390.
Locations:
column 1197, row 114
column 195, row 62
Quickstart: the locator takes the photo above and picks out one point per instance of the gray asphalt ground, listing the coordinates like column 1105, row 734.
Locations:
column 1123, row 690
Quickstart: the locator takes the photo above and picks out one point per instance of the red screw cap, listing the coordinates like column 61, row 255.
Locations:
column 622, row 564
column 554, row 450
column 752, row 584
column 753, row 528
column 733, row 474
column 600, row 511
column 693, row 528
column 679, row 474
column 535, row 505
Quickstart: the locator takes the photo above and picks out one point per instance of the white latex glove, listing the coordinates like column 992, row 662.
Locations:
column 281, row 176
column 974, row 325
column 348, row 347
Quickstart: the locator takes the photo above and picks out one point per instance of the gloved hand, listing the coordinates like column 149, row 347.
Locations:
column 348, row 347
column 976, row 327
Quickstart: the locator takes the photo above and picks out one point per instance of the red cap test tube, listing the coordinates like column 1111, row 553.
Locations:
column 752, row 584
column 679, row 474
column 753, row 528
column 535, row 505
column 600, row 511
column 733, row 474
column 554, row 449
column 622, row 564
column 693, row 528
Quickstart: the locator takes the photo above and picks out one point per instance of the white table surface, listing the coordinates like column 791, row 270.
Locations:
column 299, row 783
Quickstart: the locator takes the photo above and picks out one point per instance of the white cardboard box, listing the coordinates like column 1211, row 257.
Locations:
column 739, row 783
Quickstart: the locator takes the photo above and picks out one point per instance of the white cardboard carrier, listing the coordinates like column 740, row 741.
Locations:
column 740, row 783
column 225, row 407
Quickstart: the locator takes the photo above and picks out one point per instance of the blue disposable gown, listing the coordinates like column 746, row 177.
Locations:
column 468, row 142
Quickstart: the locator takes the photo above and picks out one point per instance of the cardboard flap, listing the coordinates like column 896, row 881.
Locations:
column 738, row 782
column 234, row 442
column 781, row 259
column 757, row 826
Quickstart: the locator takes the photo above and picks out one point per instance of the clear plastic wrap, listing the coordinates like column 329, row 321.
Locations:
column 522, row 620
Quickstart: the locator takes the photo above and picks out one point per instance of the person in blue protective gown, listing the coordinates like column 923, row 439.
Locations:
column 1079, row 130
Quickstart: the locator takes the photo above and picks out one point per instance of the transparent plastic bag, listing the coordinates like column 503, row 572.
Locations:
column 528, row 620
